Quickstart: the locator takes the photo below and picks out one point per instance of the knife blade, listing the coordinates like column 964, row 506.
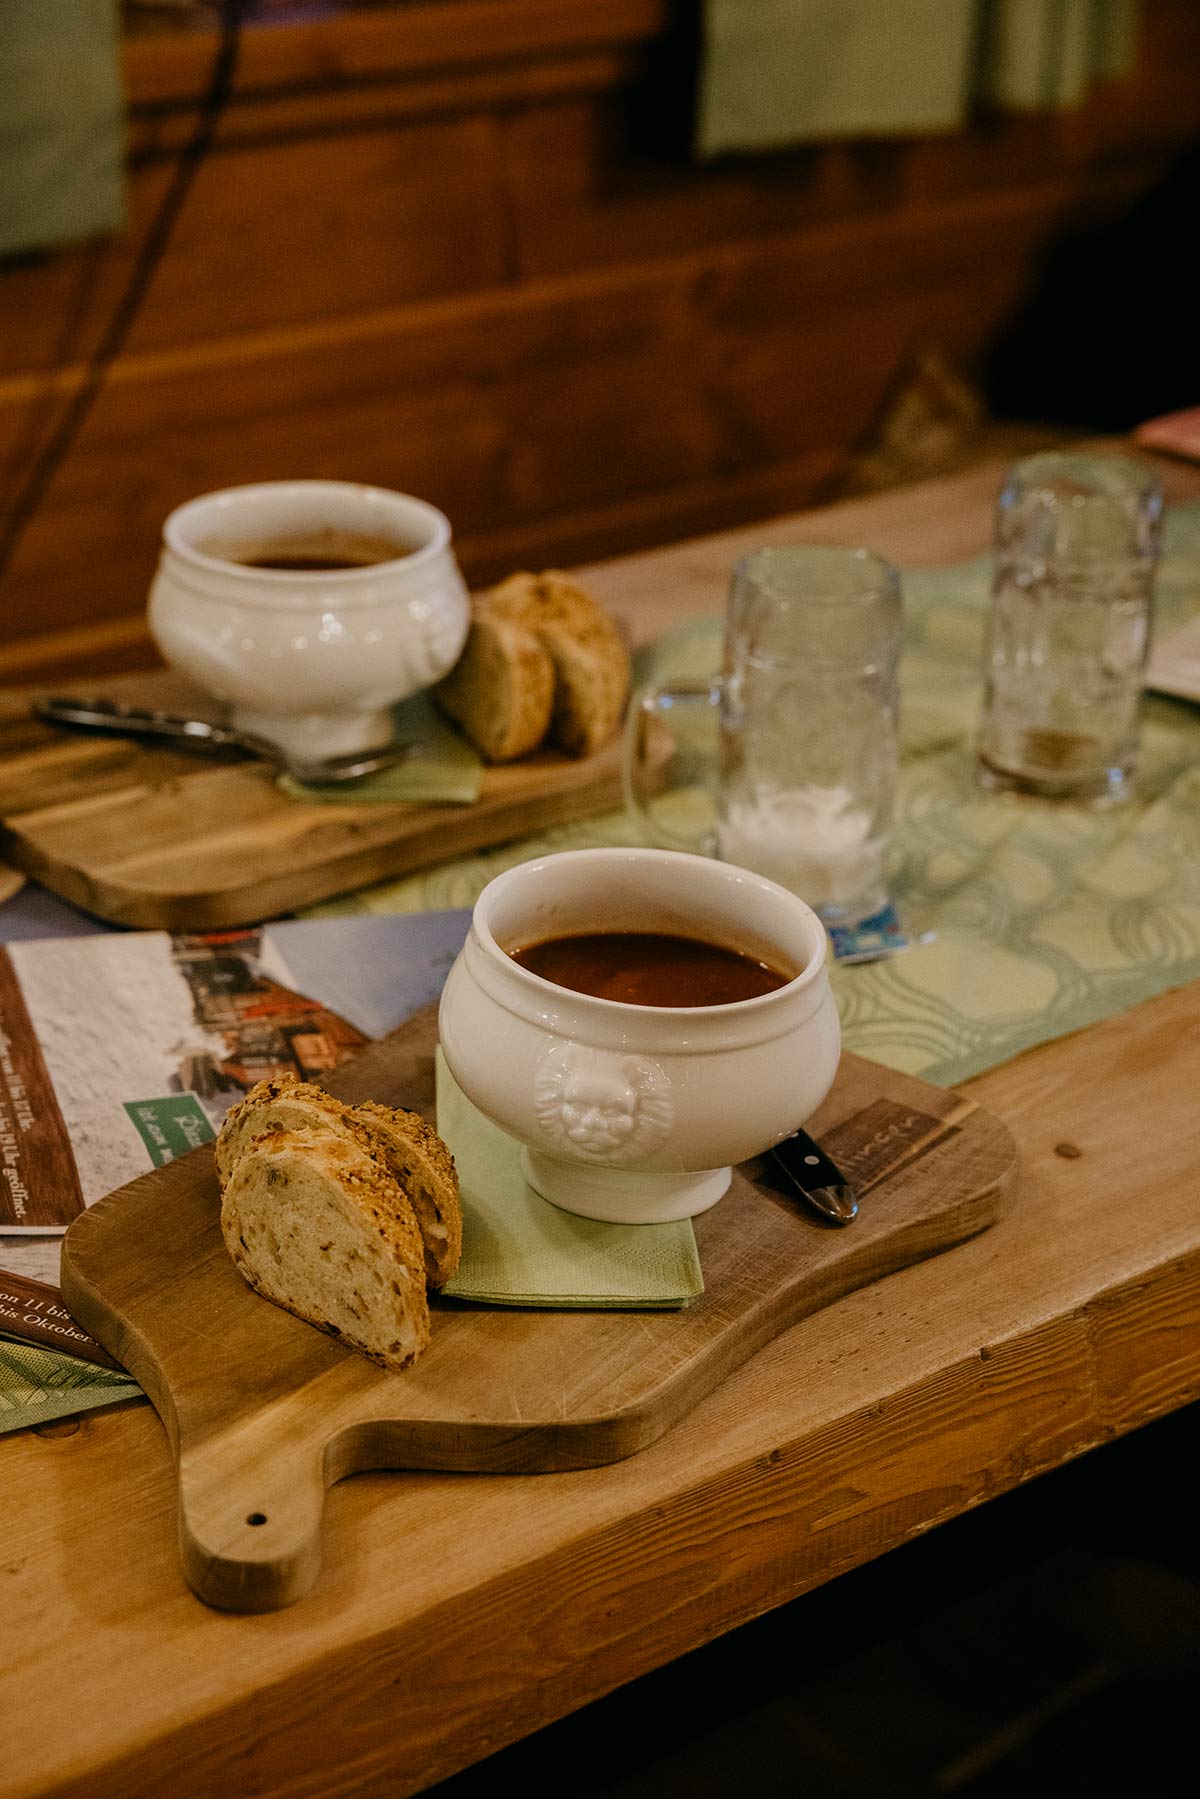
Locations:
column 816, row 1178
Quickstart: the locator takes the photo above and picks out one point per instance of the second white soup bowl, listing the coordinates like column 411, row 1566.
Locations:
column 314, row 659
column 628, row 1113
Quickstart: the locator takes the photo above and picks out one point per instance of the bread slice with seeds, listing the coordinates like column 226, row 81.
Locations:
column 591, row 662
column 419, row 1161
column 281, row 1103
column 317, row 1226
column 408, row 1148
column 501, row 689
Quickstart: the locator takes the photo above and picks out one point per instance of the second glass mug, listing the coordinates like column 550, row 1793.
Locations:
column 1068, row 633
column 807, row 712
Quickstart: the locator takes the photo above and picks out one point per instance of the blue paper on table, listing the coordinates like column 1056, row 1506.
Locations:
column 880, row 935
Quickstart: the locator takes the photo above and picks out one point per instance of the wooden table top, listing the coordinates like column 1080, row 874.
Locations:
column 457, row 1613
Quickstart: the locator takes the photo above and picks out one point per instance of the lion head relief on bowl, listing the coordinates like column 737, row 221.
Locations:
column 602, row 1106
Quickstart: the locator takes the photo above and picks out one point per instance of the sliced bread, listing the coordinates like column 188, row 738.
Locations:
column 282, row 1103
column 316, row 1225
column 501, row 689
column 591, row 662
column 419, row 1161
column 411, row 1152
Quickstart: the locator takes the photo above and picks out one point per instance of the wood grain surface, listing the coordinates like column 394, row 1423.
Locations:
column 453, row 1616
column 264, row 1412
column 461, row 248
column 156, row 838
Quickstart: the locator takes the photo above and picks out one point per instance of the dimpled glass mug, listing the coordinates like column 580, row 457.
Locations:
column 635, row 1113
column 1068, row 634
column 310, row 608
column 806, row 707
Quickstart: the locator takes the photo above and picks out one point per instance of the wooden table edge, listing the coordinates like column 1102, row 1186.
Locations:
column 468, row 1683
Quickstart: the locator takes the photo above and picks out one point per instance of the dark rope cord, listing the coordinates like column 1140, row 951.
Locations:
column 54, row 450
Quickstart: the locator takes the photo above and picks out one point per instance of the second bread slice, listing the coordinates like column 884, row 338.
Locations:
column 314, row 1224
column 591, row 662
column 411, row 1152
column 501, row 690
column 414, row 1154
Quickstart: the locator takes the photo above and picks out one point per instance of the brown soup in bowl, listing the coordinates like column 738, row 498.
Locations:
column 650, row 968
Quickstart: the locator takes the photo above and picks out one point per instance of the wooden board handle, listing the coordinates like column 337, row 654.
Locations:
column 250, row 1539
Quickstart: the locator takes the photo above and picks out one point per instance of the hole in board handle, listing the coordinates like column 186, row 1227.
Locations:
column 256, row 1518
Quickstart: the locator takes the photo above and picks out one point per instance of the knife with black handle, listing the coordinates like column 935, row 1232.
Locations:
column 819, row 1181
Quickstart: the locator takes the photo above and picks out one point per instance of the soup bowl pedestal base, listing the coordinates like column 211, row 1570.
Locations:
column 620, row 1196
column 333, row 733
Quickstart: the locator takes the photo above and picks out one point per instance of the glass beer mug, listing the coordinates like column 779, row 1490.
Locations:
column 806, row 708
column 1068, row 634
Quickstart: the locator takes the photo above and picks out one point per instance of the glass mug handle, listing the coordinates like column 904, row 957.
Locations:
column 647, row 757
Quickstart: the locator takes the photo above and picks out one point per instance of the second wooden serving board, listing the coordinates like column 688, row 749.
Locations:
column 153, row 837
column 264, row 1412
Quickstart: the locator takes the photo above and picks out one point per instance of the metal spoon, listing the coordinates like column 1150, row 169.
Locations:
column 199, row 733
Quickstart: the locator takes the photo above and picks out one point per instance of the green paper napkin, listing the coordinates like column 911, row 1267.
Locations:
column 518, row 1250
column 442, row 770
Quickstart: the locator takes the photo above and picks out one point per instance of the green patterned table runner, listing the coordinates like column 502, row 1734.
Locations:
column 1040, row 918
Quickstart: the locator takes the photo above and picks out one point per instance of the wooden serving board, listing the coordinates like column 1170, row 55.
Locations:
column 264, row 1412
column 169, row 841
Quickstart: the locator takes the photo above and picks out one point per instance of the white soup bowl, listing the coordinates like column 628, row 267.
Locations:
column 311, row 659
column 635, row 1113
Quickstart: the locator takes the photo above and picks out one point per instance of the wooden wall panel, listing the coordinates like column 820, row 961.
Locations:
column 532, row 404
column 442, row 248
column 277, row 232
column 347, row 44
column 580, row 202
